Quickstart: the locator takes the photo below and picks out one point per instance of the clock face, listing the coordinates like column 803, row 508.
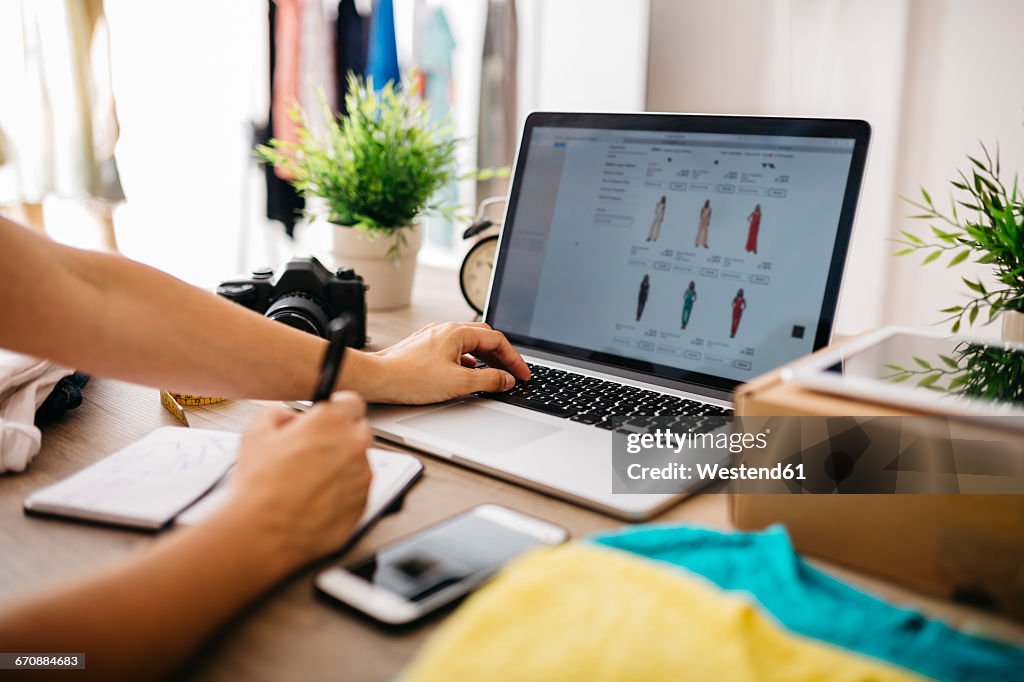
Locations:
column 475, row 275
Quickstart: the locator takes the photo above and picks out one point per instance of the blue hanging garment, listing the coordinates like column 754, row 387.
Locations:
column 382, row 60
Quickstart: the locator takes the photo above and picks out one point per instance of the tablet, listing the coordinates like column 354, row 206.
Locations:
column 921, row 372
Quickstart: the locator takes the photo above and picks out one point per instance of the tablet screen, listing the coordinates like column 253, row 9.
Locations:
column 950, row 368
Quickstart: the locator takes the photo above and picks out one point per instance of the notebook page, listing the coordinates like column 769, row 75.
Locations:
column 146, row 483
column 392, row 472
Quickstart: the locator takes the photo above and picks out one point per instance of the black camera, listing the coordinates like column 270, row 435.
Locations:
column 306, row 296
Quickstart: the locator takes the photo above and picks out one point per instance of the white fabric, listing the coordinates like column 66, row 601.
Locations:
column 24, row 384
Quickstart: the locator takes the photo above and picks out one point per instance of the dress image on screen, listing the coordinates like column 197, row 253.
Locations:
column 645, row 288
column 755, row 225
column 703, row 224
column 739, row 304
column 659, row 217
column 689, row 298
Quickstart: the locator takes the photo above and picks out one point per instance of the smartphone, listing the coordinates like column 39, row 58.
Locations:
column 409, row 578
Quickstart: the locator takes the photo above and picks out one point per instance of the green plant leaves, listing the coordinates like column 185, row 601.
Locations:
column 959, row 258
column 378, row 167
column 976, row 287
column 959, row 381
column 912, row 238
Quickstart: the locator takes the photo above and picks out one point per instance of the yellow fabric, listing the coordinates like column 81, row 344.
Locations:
column 590, row 614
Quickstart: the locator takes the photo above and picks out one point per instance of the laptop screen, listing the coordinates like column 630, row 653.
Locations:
column 692, row 255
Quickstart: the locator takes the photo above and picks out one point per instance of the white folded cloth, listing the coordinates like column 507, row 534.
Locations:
column 24, row 384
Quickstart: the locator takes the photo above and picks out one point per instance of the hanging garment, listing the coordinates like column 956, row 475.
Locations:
column 499, row 98
column 585, row 613
column 285, row 84
column 57, row 108
column 813, row 604
column 382, row 59
column 434, row 49
column 350, row 47
column 316, row 63
column 284, row 203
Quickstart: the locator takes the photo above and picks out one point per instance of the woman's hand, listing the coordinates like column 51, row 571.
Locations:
column 436, row 363
column 298, row 490
column 302, row 479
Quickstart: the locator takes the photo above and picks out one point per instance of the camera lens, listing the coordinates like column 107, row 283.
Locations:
column 301, row 312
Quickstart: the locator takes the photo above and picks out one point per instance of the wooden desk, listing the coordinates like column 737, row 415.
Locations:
column 289, row 634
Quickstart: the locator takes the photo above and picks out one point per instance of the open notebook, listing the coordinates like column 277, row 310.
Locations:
column 161, row 477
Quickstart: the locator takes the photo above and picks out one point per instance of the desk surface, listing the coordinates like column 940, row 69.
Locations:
column 289, row 630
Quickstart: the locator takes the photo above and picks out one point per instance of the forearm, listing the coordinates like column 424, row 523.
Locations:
column 141, row 619
column 186, row 339
column 112, row 317
column 122, row 319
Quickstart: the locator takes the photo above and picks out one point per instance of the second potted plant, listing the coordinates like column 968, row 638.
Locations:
column 375, row 171
column 990, row 232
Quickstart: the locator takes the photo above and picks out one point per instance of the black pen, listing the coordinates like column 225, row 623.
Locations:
column 332, row 358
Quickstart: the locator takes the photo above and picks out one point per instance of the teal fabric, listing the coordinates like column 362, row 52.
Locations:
column 816, row 605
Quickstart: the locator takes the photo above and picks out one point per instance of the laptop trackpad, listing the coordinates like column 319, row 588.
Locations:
column 480, row 427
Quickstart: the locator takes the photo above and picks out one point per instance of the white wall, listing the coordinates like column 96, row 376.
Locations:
column 932, row 76
column 588, row 55
column 964, row 85
column 708, row 57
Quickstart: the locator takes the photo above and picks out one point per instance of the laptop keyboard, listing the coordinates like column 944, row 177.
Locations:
column 589, row 400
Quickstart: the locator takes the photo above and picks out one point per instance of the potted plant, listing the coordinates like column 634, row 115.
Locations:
column 992, row 232
column 375, row 171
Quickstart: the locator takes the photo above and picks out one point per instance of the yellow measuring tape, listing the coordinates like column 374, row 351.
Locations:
column 175, row 403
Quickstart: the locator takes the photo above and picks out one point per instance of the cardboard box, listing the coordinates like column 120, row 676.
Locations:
column 968, row 548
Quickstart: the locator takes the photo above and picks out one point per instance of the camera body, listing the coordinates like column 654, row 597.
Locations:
column 305, row 295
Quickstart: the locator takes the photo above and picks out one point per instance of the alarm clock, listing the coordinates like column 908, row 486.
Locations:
column 477, row 266
column 475, row 274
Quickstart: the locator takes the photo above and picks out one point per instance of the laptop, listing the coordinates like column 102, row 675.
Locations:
column 648, row 264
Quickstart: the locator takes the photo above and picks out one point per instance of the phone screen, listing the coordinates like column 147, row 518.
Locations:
column 444, row 555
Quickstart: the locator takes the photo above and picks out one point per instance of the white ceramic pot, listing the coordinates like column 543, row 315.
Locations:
column 390, row 279
column 1013, row 325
